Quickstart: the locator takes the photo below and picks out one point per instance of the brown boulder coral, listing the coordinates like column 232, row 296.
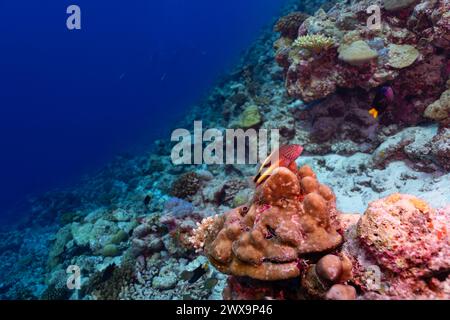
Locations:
column 186, row 186
column 291, row 215
column 288, row 25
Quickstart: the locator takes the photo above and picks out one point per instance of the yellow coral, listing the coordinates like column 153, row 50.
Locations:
column 420, row 205
column 417, row 203
column 314, row 42
column 393, row 198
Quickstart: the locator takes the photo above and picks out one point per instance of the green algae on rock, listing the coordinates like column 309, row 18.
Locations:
column 119, row 237
column 249, row 118
column 110, row 250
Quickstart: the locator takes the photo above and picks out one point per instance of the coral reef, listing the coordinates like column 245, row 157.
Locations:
column 369, row 59
column 292, row 223
column 139, row 227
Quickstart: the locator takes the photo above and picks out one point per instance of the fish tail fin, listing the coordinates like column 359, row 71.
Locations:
column 373, row 112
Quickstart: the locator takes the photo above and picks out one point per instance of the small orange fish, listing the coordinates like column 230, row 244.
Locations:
column 285, row 156
column 373, row 112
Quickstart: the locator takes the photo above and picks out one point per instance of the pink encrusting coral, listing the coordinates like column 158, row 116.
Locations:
column 400, row 249
column 405, row 235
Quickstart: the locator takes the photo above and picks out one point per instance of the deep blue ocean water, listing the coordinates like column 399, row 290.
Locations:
column 71, row 100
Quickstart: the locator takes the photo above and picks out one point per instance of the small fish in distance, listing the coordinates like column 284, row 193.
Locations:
column 385, row 96
column 193, row 276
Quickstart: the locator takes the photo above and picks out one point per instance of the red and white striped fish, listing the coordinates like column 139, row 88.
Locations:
column 285, row 156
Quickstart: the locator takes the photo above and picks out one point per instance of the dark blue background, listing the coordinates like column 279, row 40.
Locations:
column 70, row 100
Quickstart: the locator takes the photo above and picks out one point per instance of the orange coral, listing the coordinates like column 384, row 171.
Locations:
column 291, row 215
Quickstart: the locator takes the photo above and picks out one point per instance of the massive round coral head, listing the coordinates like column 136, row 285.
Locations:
column 284, row 222
column 405, row 235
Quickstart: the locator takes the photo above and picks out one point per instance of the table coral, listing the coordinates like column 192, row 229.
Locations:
column 315, row 42
column 357, row 53
column 402, row 56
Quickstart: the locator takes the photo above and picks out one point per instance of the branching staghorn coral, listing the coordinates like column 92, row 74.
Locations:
column 314, row 42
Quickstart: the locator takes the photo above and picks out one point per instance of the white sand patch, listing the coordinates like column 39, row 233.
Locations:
column 356, row 184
